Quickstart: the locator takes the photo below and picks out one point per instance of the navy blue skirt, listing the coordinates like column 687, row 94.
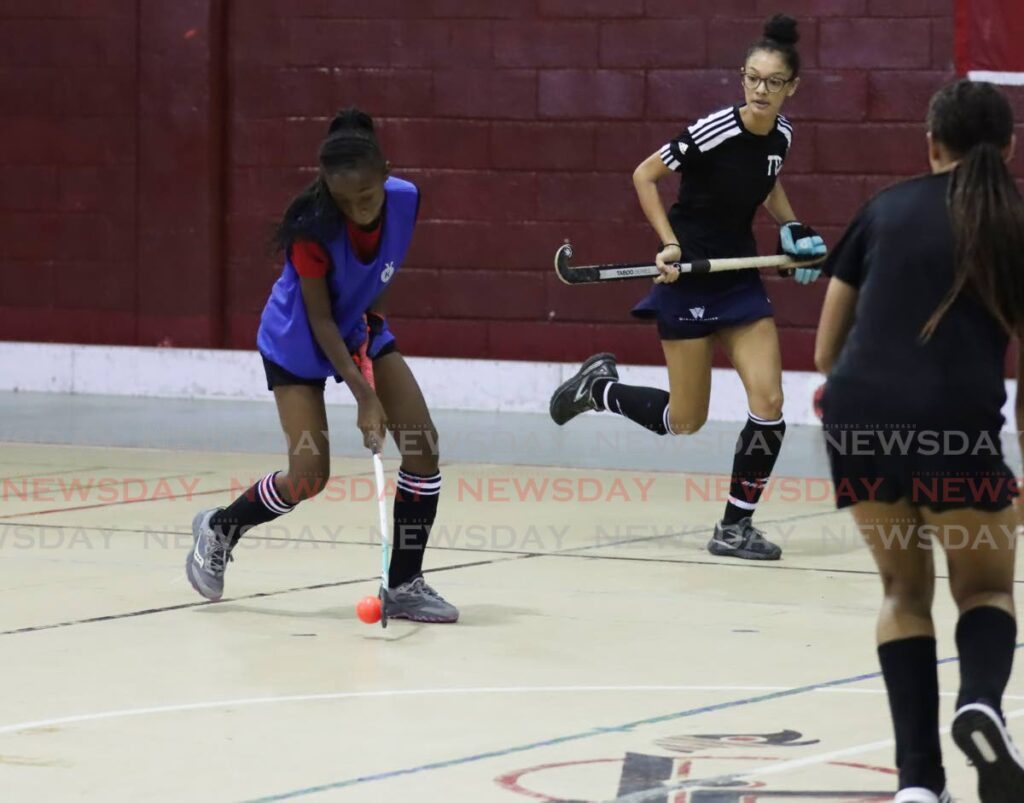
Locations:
column 698, row 306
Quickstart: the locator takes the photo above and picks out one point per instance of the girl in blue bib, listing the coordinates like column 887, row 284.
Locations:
column 343, row 239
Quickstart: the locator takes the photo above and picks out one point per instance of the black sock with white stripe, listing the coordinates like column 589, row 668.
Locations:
column 415, row 508
column 260, row 504
column 646, row 406
column 757, row 449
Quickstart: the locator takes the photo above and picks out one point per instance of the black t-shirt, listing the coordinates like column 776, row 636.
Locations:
column 727, row 172
column 898, row 252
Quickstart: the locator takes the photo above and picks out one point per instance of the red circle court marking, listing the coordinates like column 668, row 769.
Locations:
column 856, row 766
column 510, row 780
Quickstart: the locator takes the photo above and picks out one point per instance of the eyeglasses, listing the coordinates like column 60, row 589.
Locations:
column 772, row 83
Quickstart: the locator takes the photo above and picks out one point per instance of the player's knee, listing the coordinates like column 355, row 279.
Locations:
column 767, row 405
column 907, row 594
column 686, row 424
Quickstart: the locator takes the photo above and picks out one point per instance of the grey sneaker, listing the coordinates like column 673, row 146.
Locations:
column 742, row 540
column 574, row 395
column 418, row 602
column 979, row 732
column 211, row 551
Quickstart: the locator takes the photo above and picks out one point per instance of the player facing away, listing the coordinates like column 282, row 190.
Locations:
column 729, row 163
column 343, row 240
column 927, row 288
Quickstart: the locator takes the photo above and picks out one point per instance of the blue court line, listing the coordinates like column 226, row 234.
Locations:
column 575, row 737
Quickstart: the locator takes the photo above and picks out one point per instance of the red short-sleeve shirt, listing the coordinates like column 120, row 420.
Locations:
column 311, row 261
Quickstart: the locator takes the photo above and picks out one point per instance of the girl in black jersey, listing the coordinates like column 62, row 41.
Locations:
column 730, row 163
column 927, row 288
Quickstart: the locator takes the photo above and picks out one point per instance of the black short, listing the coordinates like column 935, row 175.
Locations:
column 923, row 477
column 941, row 467
column 276, row 375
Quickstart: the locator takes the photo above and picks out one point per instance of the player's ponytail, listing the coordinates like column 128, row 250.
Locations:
column 780, row 36
column 351, row 144
column 975, row 122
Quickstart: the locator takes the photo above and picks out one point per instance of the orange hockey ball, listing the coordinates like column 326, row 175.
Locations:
column 368, row 610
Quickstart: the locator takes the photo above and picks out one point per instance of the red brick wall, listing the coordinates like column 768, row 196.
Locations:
column 148, row 148
column 110, row 171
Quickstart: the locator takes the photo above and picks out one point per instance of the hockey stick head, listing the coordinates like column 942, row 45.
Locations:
column 562, row 257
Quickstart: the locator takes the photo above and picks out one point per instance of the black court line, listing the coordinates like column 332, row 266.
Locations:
column 54, row 473
column 566, row 553
column 502, row 556
column 505, row 557
column 249, row 538
column 257, row 595
column 84, row 469
column 89, row 490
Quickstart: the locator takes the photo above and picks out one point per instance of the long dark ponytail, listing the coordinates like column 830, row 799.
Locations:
column 975, row 122
column 351, row 144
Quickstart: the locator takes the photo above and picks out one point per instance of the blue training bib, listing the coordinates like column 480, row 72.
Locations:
column 285, row 337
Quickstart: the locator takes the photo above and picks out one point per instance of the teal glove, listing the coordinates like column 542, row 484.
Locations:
column 802, row 242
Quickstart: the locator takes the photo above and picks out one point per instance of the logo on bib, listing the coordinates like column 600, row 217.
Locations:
column 388, row 272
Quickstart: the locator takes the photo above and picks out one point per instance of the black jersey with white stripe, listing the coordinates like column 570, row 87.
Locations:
column 726, row 174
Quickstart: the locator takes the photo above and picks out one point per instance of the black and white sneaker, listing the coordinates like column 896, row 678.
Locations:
column 742, row 540
column 574, row 395
column 979, row 732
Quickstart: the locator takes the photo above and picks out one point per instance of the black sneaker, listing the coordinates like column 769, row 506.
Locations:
column 980, row 733
column 742, row 540
column 573, row 396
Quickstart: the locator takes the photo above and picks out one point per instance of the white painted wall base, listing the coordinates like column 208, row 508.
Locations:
column 488, row 385
column 1008, row 78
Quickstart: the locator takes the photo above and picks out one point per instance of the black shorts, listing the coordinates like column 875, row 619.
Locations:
column 278, row 376
column 940, row 466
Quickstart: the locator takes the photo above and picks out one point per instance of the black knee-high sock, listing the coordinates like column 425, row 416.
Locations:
column 260, row 504
column 986, row 639
column 757, row 449
column 415, row 509
column 646, row 406
column 911, row 674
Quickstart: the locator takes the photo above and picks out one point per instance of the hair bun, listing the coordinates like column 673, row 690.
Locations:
column 351, row 118
column 781, row 28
